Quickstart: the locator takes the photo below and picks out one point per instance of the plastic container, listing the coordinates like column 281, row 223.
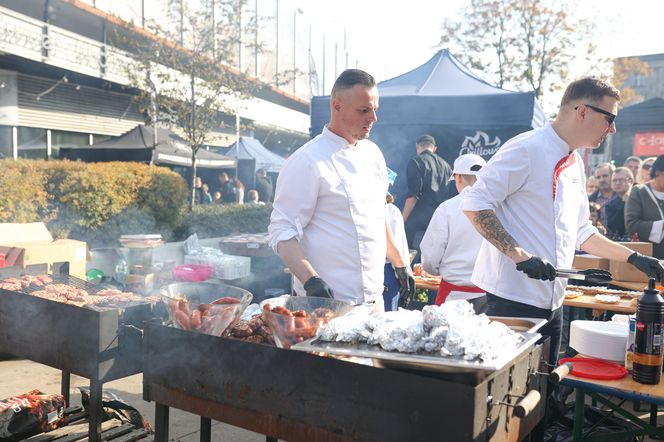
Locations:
column 647, row 362
column 192, row 273
column 289, row 330
column 274, row 292
column 595, row 368
column 208, row 307
column 226, row 267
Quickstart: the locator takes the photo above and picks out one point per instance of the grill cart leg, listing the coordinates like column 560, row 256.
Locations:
column 64, row 386
column 160, row 423
column 95, row 411
column 206, row 429
column 271, row 439
column 578, row 414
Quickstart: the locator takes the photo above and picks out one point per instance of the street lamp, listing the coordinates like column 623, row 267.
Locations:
column 295, row 12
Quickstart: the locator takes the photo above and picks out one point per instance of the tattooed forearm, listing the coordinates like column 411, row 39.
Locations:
column 489, row 226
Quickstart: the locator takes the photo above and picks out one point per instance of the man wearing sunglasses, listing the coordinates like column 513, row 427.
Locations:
column 531, row 207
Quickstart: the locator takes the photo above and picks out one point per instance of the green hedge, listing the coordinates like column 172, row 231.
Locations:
column 211, row 221
column 92, row 202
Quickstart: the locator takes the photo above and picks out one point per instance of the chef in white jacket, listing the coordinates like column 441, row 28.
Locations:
column 328, row 223
column 531, row 207
column 450, row 244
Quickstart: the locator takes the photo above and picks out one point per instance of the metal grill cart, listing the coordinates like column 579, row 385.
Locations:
column 298, row 396
column 98, row 345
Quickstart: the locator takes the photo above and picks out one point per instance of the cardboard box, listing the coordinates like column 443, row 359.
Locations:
column 622, row 271
column 641, row 247
column 140, row 284
column 31, row 243
column 583, row 262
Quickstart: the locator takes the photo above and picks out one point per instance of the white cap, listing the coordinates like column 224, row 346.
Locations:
column 468, row 164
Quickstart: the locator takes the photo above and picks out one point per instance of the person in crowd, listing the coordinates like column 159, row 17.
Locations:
column 252, row 198
column 530, row 205
column 227, row 189
column 594, row 209
column 206, row 198
column 591, row 185
column 622, row 181
column 239, row 191
column 644, row 174
column 633, row 163
column 199, row 197
column 604, row 193
column 328, row 223
column 644, row 211
column 263, row 186
column 391, row 283
column 451, row 243
column 427, row 176
column 216, row 197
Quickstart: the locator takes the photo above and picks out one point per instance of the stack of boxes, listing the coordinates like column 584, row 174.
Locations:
column 621, row 271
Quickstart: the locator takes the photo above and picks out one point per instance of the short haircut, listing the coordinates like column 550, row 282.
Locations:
column 252, row 194
column 611, row 167
column 426, row 141
column 657, row 166
column 589, row 88
column 626, row 170
column 351, row 77
column 633, row 158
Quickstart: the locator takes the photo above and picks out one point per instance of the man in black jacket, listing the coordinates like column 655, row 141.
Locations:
column 427, row 176
column 263, row 186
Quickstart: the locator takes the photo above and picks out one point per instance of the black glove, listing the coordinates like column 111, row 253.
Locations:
column 648, row 265
column 315, row 286
column 406, row 285
column 537, row 268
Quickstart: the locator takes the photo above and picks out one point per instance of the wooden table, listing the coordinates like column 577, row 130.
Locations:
column 623, row 389
column 639, row 286
column 589, row 301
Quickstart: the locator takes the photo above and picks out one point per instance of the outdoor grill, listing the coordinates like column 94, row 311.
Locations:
column 299, row 396
column 98, row 345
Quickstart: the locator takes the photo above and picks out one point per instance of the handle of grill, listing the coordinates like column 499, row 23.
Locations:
column 560, row 372
column 527, row 404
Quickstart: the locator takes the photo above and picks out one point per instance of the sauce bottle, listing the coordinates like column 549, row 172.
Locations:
column 647, row 363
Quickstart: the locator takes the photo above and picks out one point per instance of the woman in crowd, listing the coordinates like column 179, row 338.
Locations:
column 594, row 217
column 591, row 185
column 644, row 212
column 644, row 173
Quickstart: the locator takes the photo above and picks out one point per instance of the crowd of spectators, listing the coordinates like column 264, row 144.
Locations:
column 627, row 203
column 232, row 190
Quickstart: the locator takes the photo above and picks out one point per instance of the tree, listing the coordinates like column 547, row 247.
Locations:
column 622, row 69
column 519, row 43
column 183, row 72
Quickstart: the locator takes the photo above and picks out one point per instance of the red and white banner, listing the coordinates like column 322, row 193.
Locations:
column 649, row 144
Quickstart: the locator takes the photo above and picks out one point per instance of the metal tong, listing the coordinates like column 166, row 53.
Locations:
column 595, row 276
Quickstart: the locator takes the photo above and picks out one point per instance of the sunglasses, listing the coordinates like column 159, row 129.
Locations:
column 610, row 118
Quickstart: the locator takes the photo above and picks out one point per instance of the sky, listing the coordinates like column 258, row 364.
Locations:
column 391, row 37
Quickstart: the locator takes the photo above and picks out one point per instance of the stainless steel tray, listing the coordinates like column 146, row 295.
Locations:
column 423, row 361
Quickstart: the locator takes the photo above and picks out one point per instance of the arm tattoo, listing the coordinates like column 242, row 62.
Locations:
column 490, row 227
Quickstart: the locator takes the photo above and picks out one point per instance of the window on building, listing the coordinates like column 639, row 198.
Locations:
column 6, row 142
column 60, row 138
column 31, row 142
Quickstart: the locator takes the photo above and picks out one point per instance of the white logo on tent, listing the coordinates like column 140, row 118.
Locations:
column 480, row 145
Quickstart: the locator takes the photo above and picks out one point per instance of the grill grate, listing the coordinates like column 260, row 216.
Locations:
column 68, row 280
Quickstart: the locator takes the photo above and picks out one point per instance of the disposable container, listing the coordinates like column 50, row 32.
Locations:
column 192, row 273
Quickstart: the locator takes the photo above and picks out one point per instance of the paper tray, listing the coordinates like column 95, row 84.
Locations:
column 423, row 361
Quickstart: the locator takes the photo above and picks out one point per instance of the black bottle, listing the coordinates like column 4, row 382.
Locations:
column 648, row 337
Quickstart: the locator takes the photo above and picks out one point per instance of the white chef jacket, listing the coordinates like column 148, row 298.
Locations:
column 450, row 246
column 331, row 196
column 395, row 219
column 518, row 183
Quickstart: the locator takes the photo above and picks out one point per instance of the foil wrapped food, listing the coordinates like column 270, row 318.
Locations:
column 452, row 329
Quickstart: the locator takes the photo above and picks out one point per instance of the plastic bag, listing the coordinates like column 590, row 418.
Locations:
column 114, row 407
column 31, row 413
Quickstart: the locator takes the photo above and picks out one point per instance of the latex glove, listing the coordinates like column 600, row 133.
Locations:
column 537, row 268
column 648, row 265
column 406, row 284
column 315, row 286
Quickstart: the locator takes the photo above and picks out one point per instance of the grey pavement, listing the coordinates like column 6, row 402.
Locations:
column 19, row 376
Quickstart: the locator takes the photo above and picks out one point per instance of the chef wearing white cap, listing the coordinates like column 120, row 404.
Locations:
column 451, row 243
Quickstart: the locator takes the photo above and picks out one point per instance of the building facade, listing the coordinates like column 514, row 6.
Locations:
column 63, row 84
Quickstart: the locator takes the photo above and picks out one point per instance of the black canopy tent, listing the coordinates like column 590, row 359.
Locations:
column 443, row 98
column 643, row 120
column 138, row 145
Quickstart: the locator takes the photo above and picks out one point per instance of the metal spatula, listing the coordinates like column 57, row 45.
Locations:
column 595, row 276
